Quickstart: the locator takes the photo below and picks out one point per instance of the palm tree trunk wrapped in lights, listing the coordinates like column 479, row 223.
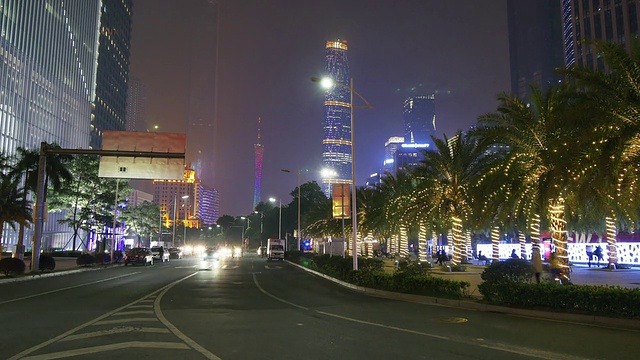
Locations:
column 404, row 242
column 393, row 244
column 559, row 233
column 534, row 227
column 458, row 240
column 468, row 247
column 434, row 242
column 495, row 243
column 611, row 241
column 422, row 242
column 523, row 244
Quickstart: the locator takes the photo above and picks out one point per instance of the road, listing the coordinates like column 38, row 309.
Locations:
column 251, row 309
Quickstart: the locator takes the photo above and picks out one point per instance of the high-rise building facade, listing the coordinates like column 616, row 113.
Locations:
column 201, row 58
column 610, row 20
column 110, row 103
column 419, row 119
column 208, row 211
column 535, row 44
column 178, row 199
column 48, row 62
column 336, row 144
column 391, row 146
column 136, row 105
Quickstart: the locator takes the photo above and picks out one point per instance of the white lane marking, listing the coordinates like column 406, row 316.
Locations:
column 230, row 267
column 384, row 326
column 186, row 267
column 66, row 288
column 255, row 281
column 126, row 321
column 119, row 330
column 174, row 330
column 80, row 327
column 102, row 348
column 149, row 306
column 134, row 312
column 499, row 347
column 272, row 267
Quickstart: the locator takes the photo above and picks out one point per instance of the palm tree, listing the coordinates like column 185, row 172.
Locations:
column 12, row 211
column 56, row 172
column 609, row 181
column 538, row 138
column 446, row 176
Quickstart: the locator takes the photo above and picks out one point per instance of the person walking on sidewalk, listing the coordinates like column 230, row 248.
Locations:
column 536, row 261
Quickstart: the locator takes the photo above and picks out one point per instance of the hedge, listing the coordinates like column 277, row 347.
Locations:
column 12, row 266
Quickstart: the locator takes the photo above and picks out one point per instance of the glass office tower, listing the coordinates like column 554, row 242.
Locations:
column 110, row 106
column 336, row 145
column 48, row 62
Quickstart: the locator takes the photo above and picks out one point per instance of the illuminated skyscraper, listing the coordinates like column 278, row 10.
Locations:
column 259, row 155
column 48, row 61
column 136, row 105
column 336, row 145
column 110, row 104
column 613, row 21
column 419, row 119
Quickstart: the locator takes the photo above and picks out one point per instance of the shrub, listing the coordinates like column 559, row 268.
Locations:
column 458, row 268
column 596, row 300
column 512, row 270
column 409, row 268
column 85, row 260
column 103, row 258
column 117, row 256
column 12, row 266
column 47, row 262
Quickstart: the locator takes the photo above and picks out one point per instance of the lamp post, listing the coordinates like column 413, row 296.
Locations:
column 280, row 217
column 328, row 83
column 175, row 209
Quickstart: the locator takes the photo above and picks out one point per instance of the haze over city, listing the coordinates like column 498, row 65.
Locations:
column 269, row 50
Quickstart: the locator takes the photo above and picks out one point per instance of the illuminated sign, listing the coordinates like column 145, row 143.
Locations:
column 415, row 146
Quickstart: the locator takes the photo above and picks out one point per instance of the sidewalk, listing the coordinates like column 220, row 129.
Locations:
column 64, row 266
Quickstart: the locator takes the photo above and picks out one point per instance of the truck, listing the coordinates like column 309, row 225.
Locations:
column 275, row 249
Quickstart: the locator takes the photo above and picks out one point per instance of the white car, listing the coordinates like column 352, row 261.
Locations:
column 155, row 251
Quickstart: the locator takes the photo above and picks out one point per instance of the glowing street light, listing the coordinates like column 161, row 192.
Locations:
column 328, row 83
column 273, row 200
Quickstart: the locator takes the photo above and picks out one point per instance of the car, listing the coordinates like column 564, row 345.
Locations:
column 155, row 250
column 175, row 253
column 138, row 256
column 211, row 254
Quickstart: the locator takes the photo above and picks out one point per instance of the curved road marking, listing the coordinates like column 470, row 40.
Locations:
column 174, row 330
column 23, row 354
column 67, row 288
column 255, row 281
column 101, row 348
column 534, row 353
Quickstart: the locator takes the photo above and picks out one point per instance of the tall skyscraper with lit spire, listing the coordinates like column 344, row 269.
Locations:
column 259, row 152
column 336, row 144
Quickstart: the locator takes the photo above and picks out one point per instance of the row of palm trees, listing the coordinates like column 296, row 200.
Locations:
column 18, row 182
column 567, row 159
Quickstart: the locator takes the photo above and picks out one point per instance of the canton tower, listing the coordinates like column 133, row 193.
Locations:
column 259, row 155
column 336, row 144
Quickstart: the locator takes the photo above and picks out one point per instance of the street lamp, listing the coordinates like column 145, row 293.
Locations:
column 327, row 83
column 175, row 209
column 280, row 216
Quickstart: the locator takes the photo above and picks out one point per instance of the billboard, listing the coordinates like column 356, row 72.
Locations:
column 341, row 201
column 142, row 167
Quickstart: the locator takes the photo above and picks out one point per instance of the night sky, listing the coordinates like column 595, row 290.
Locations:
column 269, row 50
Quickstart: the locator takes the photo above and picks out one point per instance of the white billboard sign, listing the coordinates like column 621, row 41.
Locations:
column 142, row 167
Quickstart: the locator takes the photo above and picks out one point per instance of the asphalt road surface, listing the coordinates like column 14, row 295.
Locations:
column 252, row 309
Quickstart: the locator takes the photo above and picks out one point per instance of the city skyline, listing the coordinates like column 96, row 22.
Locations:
column 268, row 52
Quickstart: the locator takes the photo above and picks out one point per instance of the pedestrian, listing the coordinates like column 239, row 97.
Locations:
column 161, row 253
column 598, row 254
column 536, row 261
column 589, row 253
column 514, row 255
